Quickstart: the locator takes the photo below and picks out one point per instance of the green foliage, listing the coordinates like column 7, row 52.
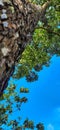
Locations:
column 28, row 124
column 40, row 126
column 45, row 43
column 10, row 104
column 24, row 90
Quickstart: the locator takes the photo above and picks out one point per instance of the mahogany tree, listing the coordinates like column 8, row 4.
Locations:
column 18, row 20
column 31, row 27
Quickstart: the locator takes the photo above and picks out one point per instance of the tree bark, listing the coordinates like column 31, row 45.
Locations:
column 18, row 19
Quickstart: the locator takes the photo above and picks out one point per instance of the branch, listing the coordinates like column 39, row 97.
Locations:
column 47, row 29
column 42, row 11
column 45, row 6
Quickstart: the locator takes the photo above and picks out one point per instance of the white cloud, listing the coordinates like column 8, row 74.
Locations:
column 57, row 113
column 58, row 109
column 50, row 127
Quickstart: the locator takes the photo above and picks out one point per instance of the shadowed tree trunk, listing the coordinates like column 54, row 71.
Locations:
column 18, row 19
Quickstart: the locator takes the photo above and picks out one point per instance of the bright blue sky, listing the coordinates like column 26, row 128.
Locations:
column 44, row 98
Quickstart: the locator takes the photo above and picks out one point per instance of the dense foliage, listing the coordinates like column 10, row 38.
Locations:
column 45, row 43
column 38, row 53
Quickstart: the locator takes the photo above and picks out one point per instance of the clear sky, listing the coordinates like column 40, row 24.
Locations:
column 44, row 98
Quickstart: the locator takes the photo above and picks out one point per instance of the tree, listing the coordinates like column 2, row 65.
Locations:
column 28, row 33
column 45, row 42
column 18, row 22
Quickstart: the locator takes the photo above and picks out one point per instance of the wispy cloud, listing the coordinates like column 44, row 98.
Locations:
column 50, row 127
column 58, row 109
column 57, row 113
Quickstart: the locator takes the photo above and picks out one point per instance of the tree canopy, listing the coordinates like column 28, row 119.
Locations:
column 45, row 42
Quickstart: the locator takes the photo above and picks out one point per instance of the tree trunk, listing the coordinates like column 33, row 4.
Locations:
column 18, row 19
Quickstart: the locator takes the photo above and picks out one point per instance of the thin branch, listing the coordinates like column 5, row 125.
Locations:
column 48, row 30
column 45, row 6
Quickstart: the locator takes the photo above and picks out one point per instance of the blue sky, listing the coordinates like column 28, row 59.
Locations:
column 44, row 98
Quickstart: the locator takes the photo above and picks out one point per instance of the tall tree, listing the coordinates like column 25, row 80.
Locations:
column 18, row 20
column 32, row 28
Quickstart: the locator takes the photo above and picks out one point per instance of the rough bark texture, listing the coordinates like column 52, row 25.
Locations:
column 18, row 19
